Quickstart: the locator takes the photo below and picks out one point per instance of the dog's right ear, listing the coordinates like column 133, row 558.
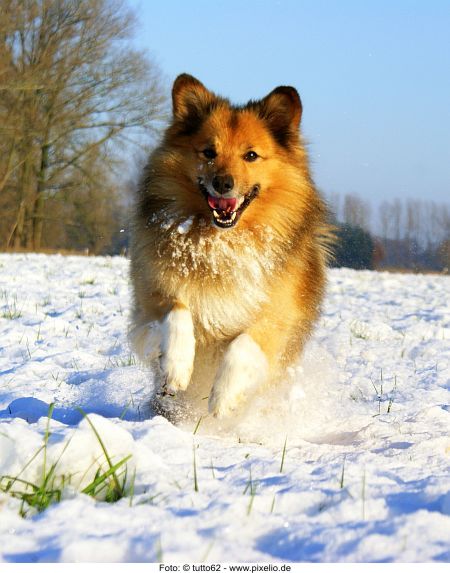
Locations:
column 190, row 99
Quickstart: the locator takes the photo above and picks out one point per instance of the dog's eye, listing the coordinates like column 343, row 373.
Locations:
column 251, row 156
column 209, row 153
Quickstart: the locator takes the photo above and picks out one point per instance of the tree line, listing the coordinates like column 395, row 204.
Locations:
column 399, row 234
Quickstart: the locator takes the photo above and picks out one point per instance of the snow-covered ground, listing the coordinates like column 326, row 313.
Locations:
column 348, row 461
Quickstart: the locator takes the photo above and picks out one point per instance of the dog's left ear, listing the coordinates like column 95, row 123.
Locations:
column 282, row 110
column 190, row 98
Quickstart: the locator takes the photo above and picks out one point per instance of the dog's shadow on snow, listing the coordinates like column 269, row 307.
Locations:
column 32, row 409
column 93, row 392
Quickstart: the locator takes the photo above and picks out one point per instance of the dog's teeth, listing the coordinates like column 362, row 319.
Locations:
column 228, row 219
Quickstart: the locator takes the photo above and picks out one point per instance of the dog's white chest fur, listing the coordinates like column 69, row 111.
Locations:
column 220, row 276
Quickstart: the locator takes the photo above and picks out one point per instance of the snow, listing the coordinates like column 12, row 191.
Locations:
column 365, row 417
column 185, row 226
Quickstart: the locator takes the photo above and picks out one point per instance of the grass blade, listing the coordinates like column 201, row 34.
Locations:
column 195, row 470
column 283, row 456
column 102, row 445
column 100, row 478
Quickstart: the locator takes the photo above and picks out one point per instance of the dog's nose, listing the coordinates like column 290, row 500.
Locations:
column 223, row 183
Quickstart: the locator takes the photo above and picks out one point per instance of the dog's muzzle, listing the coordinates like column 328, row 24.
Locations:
column 226, row 211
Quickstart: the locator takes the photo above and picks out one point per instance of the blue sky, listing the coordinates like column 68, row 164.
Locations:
column 374, row 78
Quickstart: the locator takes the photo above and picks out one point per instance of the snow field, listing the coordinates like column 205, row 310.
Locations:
column 364, row 415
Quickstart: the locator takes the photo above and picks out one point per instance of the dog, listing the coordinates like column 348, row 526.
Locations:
column 229, row 249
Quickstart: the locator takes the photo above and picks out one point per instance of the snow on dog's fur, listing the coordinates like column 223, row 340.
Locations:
column 229, row 248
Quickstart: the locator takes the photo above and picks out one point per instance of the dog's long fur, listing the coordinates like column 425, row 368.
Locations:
column 224, row 311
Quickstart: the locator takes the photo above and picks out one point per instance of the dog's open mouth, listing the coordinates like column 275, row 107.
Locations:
column 226, row 211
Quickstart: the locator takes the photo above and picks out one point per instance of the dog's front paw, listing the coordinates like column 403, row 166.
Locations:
column 146, row 341
column 244, row 367
column 177, row 350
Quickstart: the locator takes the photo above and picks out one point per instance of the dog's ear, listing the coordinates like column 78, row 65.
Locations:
column 190, row 99
column 282, row 110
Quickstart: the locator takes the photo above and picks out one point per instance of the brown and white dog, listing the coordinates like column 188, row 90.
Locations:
column 229, row 248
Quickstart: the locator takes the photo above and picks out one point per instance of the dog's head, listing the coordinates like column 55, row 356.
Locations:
column 233, row 155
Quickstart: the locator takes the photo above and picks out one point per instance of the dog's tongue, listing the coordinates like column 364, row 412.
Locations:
column 222, row 204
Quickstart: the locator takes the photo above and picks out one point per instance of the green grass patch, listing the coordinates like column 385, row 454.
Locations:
column 109, row 485
column 10, row 309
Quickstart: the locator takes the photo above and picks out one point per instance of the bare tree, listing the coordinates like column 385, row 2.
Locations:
column 74, row 97
column 334, row 204
column 356, row 212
